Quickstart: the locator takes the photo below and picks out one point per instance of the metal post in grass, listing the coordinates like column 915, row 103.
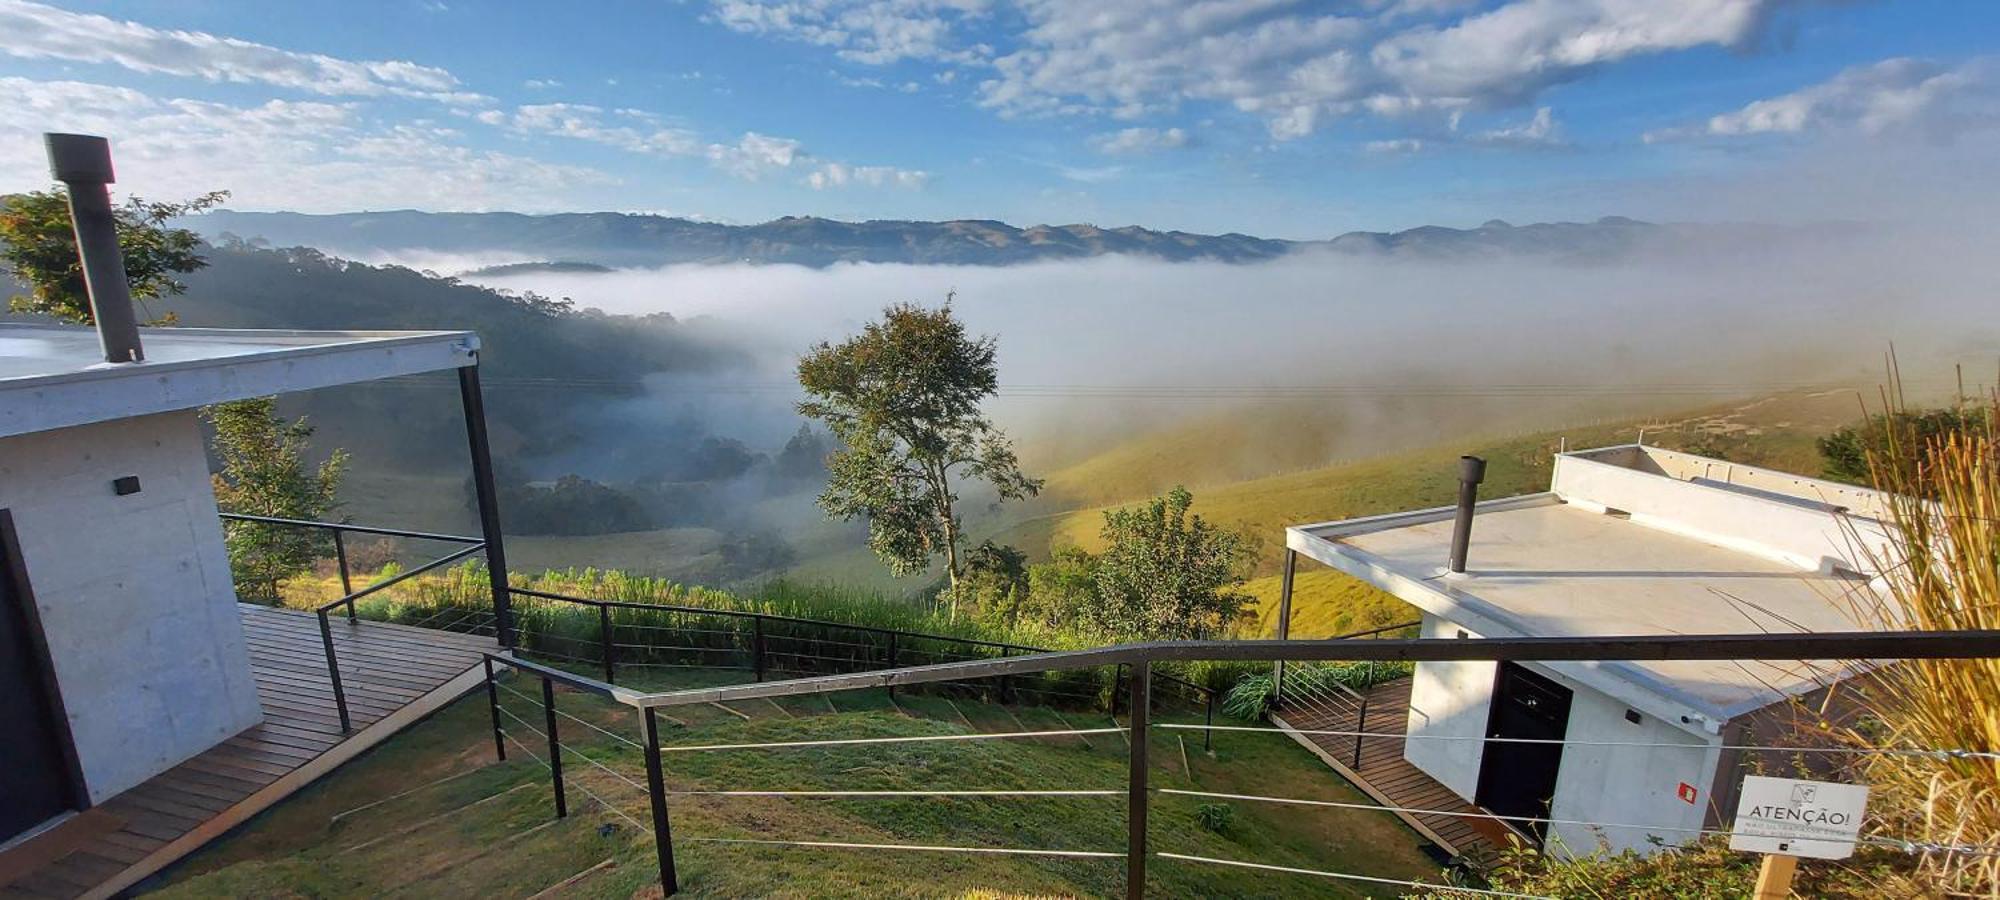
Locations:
column 333, row 672
column 1136, row 794
column 757, row 646
column 340, row 558
column 555, row 745
column 493, row 707
column 604, row 643
column 1006, row 695
column 892, row 657
column 1284, row 623
column 656, row 790
column 1208, row 720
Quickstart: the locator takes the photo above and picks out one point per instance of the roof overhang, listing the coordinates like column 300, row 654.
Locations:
column 52, row 376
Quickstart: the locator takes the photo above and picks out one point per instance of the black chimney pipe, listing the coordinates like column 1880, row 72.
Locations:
column 82, row 163
column 1471, row 471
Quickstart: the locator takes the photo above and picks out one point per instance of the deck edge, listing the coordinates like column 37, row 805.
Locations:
column 291, row 783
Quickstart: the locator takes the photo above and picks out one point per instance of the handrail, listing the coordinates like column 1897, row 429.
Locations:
column 1845, row 645
column 398, row 578
column 353, row 528
column 571, row 679
column 1139, row 657
column 893, row 633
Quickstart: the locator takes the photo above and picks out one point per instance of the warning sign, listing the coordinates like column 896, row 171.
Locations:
column 1816, row 819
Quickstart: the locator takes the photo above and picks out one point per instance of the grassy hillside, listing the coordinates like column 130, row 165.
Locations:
column 510, row 845
column 1776, row 431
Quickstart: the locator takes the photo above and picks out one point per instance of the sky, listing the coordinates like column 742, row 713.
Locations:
column 1280, row 118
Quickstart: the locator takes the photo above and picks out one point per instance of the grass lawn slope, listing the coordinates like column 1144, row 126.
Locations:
column 489, row 830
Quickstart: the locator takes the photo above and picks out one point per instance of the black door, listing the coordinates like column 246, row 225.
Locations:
column 34, row 770
column 1517, row 778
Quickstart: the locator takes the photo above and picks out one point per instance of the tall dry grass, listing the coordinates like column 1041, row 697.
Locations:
column 1942, row 572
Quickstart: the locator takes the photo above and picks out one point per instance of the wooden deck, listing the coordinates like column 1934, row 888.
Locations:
column 393, row 676
column 1383, row 773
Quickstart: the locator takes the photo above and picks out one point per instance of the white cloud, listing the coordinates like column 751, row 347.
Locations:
column 1539, row 131
column 541, row 84
column 1138, row 141
column 1509, row 54
column 751, row 157
column 35, row 31
column 1395, row 146
column 1893, row 96
column 312, row 156
column 837, row 175
column 1295, row 65
column 865, row 31
column 626, row 129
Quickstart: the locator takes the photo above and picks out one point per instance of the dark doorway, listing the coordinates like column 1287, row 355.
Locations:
column 35, row 770
column 1519, row 779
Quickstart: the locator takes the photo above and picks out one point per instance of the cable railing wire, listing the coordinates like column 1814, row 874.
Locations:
column 1938, row 753
column 1351, row 876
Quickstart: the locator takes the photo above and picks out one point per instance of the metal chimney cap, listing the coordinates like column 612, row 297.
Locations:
column 79, row 158
column 1471, row 469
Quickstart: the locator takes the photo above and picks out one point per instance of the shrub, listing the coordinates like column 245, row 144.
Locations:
column 1214, row 817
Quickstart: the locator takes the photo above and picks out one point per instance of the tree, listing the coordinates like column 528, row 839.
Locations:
column 902, row 399
column 996, row 578
column 264, row 473
column 1166, row 575
column 1850, row 453
column 38, row 245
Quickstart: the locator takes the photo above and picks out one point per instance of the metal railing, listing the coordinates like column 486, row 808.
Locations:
column 1139, row 659
column 349, row 595
column 751, row 637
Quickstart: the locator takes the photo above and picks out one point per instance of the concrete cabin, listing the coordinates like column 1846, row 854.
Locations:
column 122, row 647
column 1629, row 540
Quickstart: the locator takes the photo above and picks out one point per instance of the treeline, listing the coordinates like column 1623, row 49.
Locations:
column 545, row 361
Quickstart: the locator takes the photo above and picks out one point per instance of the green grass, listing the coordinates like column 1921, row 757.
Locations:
column 296, row 851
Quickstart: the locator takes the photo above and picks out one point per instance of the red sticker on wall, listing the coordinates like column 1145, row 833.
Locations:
column 1687, row 792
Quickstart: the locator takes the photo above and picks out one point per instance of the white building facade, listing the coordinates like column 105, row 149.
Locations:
column 1629, row 540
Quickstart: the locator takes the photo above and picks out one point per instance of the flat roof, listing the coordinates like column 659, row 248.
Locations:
column 1541, row 567
column 54, row 376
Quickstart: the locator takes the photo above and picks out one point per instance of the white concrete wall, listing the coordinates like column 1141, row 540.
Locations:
column 1617, row 785
column 1626, row 785
column 1450, row 700
column 134, row 593
column 1811, row 539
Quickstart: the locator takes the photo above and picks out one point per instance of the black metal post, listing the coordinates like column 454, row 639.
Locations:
column 340, row 558
column 604, row 643
column 656, row 787
column 82, row 163
column 493, row 706
column 1284, row 622
column 333, row 672
column 1360, row 726
column 473, row 403
column 1006, row 685
column 555, row 744
column 1208, row 721
column 893, row 635
column 1117, row 685
column 1137, row 794
column 757, row 646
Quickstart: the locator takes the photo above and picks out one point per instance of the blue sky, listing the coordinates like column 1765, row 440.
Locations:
column 1274, row 117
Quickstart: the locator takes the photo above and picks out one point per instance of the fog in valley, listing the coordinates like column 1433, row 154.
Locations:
column 1096, row 348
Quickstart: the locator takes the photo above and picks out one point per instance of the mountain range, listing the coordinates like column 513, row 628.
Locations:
column 586, row 241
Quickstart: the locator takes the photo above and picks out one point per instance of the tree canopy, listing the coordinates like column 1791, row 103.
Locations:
column 1166, row 574
column 265, row 473
column 38, row 245
column 903, row 400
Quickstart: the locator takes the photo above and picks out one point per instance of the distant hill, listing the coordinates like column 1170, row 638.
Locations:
column 584, row 240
